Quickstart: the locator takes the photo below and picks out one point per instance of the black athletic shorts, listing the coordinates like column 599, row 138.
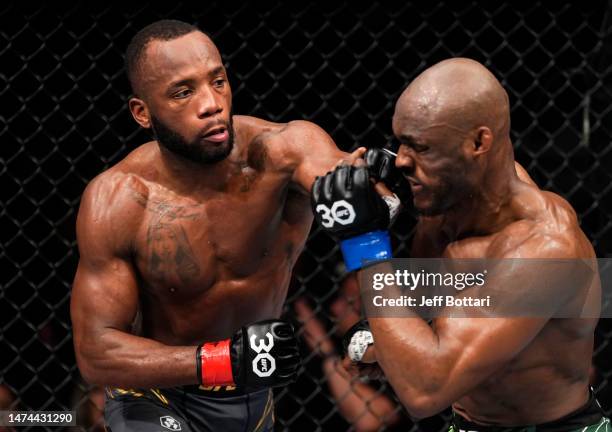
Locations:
column 188, row 408
column 589, row 418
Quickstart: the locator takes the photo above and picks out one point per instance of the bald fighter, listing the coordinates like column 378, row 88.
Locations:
column 510, row 374
column 187, row 246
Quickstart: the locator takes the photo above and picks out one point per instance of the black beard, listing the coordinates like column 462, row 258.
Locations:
column 194, row 151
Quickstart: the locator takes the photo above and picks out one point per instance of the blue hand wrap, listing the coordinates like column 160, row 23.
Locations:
column 365, row 249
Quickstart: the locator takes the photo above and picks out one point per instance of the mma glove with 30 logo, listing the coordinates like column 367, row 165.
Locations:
column 260, row 355
column 346, row 204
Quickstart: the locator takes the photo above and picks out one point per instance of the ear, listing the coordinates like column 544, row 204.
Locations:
column 140, row 112
column 483, row 140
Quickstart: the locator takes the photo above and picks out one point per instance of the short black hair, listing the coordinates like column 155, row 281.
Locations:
column 164, row 30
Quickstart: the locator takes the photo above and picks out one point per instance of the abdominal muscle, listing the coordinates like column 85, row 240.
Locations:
column 215, row 312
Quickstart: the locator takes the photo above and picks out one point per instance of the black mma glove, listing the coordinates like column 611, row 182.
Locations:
column 381, row 166
column 345, row 204
column 260, row 355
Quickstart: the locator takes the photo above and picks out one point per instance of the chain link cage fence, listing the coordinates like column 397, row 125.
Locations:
column 64, row 119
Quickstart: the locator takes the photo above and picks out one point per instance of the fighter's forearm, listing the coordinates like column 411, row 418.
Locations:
column 417, row 367
column 116, row 358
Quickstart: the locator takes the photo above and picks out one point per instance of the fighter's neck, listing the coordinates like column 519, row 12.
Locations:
column 484, row 213
column 184, row 175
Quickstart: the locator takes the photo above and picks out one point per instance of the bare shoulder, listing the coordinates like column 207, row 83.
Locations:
column 303, row 131
column 263, row 149
column 114, row 189
column 299, row 133
column 548, row 228
column 304, row 141
column 112, row 208
column 124, row 184
column 255, row 126
column 284, row 144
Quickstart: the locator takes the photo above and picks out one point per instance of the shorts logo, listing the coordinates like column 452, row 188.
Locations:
column 341, row 212
column 170, row 422
column 263, row 364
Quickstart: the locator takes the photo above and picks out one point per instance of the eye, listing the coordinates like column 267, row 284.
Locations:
column 419, row 148
column 219, row 82
column 182, row 94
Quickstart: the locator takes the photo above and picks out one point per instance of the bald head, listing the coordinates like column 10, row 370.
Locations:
column 453, row 124
column 460, row 93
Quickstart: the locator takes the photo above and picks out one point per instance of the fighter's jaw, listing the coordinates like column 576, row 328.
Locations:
column 428, row 202
column 423, row 202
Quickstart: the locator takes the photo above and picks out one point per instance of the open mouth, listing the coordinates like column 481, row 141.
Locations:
column 217, row 134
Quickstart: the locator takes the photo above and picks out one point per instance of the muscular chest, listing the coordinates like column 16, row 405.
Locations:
column 187, row 245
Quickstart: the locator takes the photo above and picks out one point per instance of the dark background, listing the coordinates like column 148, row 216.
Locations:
column 64, row 119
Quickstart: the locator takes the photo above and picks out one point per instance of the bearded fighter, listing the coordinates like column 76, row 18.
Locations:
column 187, row 246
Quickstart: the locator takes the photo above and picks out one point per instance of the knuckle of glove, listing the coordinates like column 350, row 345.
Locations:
column 316, row 190
column 283, row 330
column 360, row 178
column 272, row 353
column 328, row 187
column 381, row 165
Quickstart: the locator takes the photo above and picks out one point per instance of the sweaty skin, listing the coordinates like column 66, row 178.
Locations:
column 453, row 123
column 174, row 253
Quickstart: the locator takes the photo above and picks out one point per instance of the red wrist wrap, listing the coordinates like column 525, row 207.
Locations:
column 215, row 364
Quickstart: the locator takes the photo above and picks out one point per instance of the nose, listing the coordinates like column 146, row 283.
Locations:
column 209, row 103
column 404, row 159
